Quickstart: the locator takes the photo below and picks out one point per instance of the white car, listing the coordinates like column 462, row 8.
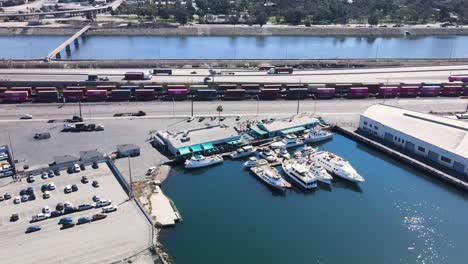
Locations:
column 46, row 195
column 26, row 116
column 46, row 210
column 39, row 217
column 17, row 200
column 150, row 170
column 68, row 189
column 76, row 168
column 67, row 204
column 103, row 203
column 51, row 186
column 109, row 209
column 44, row 175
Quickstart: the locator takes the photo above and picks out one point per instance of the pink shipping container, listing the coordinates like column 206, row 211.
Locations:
column 430, row 91
column 97, row 95
column 72, row 95
column 15, row 97
column 409, row 91
column 3, row 89
column 26, row 89
column 177, row 92
column 325, row 93
column 388, row 92
column 176, row 86
column 452, row 91
column 372, row 87
column 144, row 94
column 458, row 78
column 358, row 92
column 81, row 88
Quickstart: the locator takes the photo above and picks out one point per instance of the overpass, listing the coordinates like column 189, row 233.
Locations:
column 66, row 44
column 76, row 12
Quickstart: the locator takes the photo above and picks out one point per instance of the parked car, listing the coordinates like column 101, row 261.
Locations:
column 56, row 213
column 67, row 204
column 99, row 216
column 14, row 217
column 83, row 207
column 44, row 175
column 39, row 217
column 30, row 190
column 68, row 189
column 84, row 179
column 51, row 186
column 46, row 210
column 95, row 165
column 60, row 207
column 57, row 172
column 150, row 171
column 68, row 225
column 82, row 167
column 76, row 168
column 51, row 174
column 32, row 197
column 109, row 209
column 32, row 229
column 17, row 200
column 69, row 210
column 74, row 188
column 96, row 198
column 84, row 220
column 99, row 128
column 65, row 220
column 31, row 179
column 95, row 184
column 41, row 136
column 2, row 198
column 7, row 196
column 24, row 198
column 103, row 203
column 23, row 192
column 70, row 170
column 44, row 187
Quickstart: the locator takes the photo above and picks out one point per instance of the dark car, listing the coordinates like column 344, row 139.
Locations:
column 83, row 220
column 30, row 190
column 33, row 229
column 74, row 187
column 51, row 174
column 65, row 220
column 23, row 192
column 44, row 187
column 56, row 213
column 2, row 198
column 14, row 217
column 95, row 184
column 57, row 172
column 84, row 207
column 60, row 207
column 82, row 167
column 32, row 197
column 70, row 210
column 68, row 225
column 70, row 170
column 84, row 179
column 7, row 196
column 31, row 179
column 95, row 165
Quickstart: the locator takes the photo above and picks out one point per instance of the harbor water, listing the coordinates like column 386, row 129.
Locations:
column 237, row 47
column 398, row 215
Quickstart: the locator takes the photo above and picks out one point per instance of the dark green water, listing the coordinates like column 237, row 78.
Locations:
column 397, row 216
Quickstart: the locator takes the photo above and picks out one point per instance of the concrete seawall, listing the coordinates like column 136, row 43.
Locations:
column 230, row 30
column 404, row 158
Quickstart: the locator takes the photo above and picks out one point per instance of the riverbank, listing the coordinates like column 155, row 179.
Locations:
column 241, row 30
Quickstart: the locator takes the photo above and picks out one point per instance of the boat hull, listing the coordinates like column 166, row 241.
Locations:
column 202, row 165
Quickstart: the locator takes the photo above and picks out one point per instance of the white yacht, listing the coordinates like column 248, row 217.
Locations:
column 283, row 153
column 320, row 173
column 199, row 161
column 254, row 162
column 271, row 177
column 304, row 152
column 288, row 142
column 316, row 136
column 336, row 165
column 300, row 174
column 268, row 154
column 243, row 152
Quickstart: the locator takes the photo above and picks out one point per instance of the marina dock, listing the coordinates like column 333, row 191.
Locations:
column 165, row 213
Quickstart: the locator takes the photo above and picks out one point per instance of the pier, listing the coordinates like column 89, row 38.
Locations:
column 404, row 158
column 66, row 45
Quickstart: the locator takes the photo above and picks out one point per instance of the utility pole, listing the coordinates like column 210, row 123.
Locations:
column 192, row 106
column 297, row 112
column 130, row 174
column 79, row 106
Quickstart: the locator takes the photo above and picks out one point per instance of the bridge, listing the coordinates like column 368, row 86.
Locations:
column 66, row 44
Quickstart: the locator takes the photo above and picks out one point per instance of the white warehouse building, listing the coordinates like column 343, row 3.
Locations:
column 439, row 139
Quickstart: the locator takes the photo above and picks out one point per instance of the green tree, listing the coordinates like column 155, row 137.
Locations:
column 261, row 18
column 219, row 109
column 293, row 16
column 373, row 19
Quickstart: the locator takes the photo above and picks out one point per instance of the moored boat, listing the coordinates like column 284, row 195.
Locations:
column 300, row 174
column 288, row 142
column 271, row 177
column 268, row 154
column 243, row 152
column 254, row 162
column 320, row 173
column 316, row 136
column 336, row 165
column 283, row 153
column 199, row 161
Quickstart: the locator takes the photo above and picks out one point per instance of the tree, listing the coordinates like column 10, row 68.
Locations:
column 219, row 109
column 261, row 18
column 293, row 16
column 373, row 19
column 181, row 15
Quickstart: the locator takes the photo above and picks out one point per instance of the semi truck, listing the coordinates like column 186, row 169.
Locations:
column 280, row 70
column 136, row 76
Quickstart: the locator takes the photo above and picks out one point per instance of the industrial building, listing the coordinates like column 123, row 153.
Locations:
column 438, row 139
column 198, row 140
column 281, row 127
column 128, row 150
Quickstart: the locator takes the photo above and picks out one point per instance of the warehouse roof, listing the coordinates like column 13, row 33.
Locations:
column 201, row 135
column 287, row 123
column 445, row 133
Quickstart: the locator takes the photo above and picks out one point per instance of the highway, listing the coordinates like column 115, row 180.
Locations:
column 384, row 75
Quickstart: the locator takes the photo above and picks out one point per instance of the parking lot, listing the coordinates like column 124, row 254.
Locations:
column 123, row 233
